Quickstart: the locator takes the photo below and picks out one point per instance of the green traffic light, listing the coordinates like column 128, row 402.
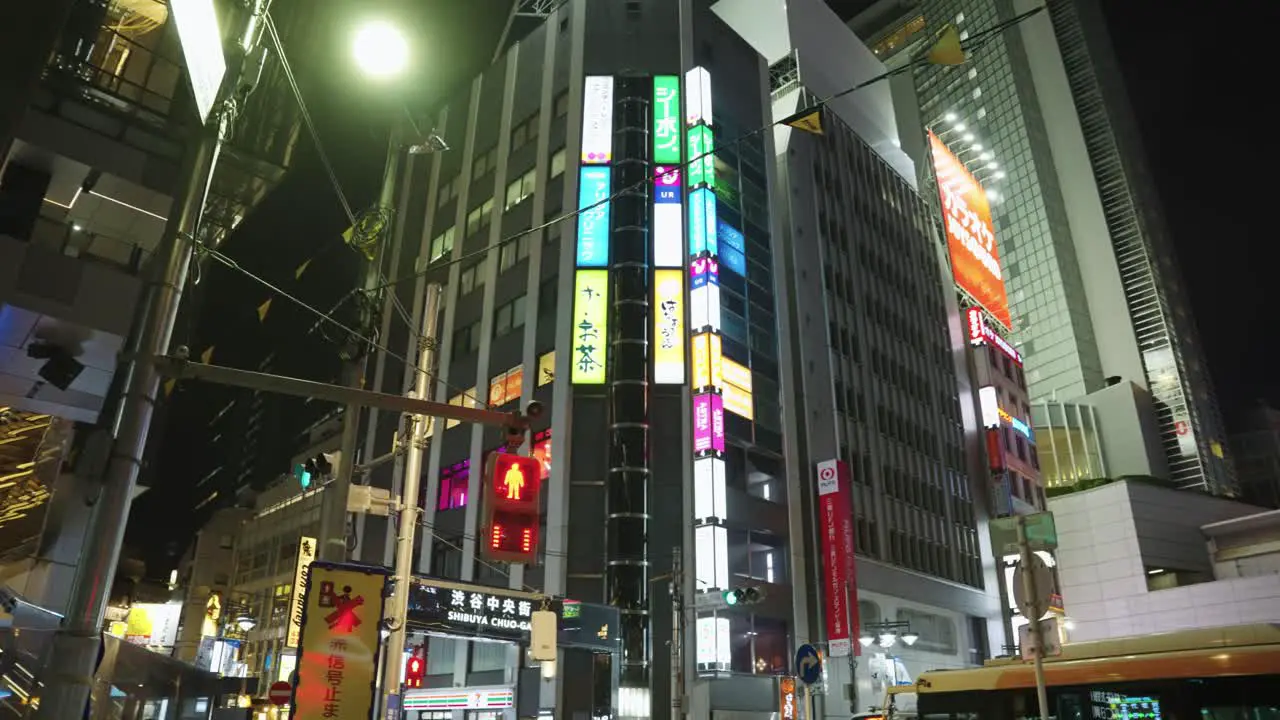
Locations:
column 731, row 597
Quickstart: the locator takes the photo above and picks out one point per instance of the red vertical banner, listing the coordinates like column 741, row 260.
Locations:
column 840, row 580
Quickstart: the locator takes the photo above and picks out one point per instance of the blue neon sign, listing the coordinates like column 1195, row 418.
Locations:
column 593, row 225
column 702, row 222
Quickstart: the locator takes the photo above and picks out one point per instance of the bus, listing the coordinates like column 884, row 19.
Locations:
column 1226, row 673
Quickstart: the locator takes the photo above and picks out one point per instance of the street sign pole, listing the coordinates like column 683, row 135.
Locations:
column 1037, row 638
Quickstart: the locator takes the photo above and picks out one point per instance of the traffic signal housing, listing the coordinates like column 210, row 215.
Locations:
column 743, row 596
column 512, row 506
column 415, row 668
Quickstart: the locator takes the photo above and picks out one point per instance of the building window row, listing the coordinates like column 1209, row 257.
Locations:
column 479, row 217
column 525, row 132
column 509, row 316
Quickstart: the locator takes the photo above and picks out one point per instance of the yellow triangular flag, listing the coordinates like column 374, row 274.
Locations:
column 262, row 310
column 808, row 120
column 946, row 49
column 297, row 274
column 207, row 356
column 168, row 386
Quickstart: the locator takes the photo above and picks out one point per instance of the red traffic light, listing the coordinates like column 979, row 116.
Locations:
column 413, row 671
column 512, row 508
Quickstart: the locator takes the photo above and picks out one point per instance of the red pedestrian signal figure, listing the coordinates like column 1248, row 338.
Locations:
column 513, row 482
column 413, row 671
column 343, row 619
column 512, row 508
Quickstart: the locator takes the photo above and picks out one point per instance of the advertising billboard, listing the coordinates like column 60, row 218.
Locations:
column 668, row 326
column 709, row 495
column 702, row 159
column 341, row 636
column 590, row 326
column 971, row 238
column 736, row 389
column 593, row 223
column 840, row 583
column 306, row 555
column 668, row 219
column 704, row 294
column 153, row 624
column 597, row 120
column 707, row 362
column 702, row 222
column 708, row 423
column 697, row 88
column 666, row 119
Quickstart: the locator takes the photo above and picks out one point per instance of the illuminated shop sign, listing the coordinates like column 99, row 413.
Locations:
column 715, row 653
column 495, row 614
column 736, row 389
column 702, row 161
column 471, row 698
column 704, row 294
column 702, row 222
column 590, row 326
column 1015, row 423
column 711, row 547
column 708, row 423
column 980, row 333
column 597, row 120
column 709, row 497
column 668, row 219
column 990, row 403
column 666, row 119
column 593, row 221
column 669, row 335
column 708, row 362
column 697, row 86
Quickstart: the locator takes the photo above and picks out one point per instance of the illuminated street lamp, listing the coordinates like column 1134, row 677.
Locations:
column 887, row 634
column 380, row 50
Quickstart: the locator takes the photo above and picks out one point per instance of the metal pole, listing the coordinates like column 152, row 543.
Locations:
column 398, row 607
column 333, row 524
column 1037, row 639
column 677, row 634
column 75, row 647
column 853, row 652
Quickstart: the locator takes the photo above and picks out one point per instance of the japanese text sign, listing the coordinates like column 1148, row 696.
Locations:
column 666, row 119
column 697, row 88
column 469, row 610
column 971, row 239
column 668, row 219
column 702, row 161
column 840, row 589
column 708, row 423
column 702, row 222
column 590, row 326
column 338, row 654
column 593, row 221
column 306, row 555
column 668, row 326
column 597, row 120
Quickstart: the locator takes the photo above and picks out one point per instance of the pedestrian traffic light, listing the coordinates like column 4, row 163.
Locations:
column 743, row 596
column 414, row 668
column 512, row 508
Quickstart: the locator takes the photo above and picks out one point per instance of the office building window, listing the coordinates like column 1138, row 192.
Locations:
column 479, row 217
column 448, row 191
column 557, row 163
column 466, row 339
column 521, row 188
column 513, row 252
column 525, row 133
column 483, row 164
column 508, row 317
column 471, row 278
column 453, row 486
column 442, row 244
column 561, row 104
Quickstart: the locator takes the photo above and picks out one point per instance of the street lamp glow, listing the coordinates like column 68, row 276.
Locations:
column 380, row 49
column 968, row 137
column 949, row 117
column 959, row 127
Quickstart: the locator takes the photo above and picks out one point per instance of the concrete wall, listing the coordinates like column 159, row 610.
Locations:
column 1130, row 437
column 1108, row 539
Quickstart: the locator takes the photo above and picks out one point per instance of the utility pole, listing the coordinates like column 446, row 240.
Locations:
column 677, row 634
column 69, row 677
column 1037, row 637
column 398, row 606
column 333, row 522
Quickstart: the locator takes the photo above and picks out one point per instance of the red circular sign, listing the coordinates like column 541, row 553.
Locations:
column 280, row 693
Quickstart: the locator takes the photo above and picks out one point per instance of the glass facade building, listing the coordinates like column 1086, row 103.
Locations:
column 1039, row 113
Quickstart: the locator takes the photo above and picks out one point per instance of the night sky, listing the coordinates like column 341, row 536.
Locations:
column 1193, row 95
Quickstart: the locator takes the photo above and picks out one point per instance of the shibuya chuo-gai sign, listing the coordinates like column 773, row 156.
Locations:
column 490, row 613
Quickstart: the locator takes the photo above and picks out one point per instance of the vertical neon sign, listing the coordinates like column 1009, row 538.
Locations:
column 591, row 285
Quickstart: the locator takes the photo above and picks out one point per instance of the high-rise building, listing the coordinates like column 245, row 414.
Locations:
column 1039, row 112
column 674, row 327
column 1257, row 454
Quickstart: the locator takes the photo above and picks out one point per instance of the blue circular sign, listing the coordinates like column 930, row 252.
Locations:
column 808, row 664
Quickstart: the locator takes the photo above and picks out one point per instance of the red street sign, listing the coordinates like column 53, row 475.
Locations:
column 280, row 693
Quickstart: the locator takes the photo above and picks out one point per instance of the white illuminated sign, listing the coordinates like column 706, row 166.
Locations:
column 711, row 548
column 597, row 120
column 990, row 402
column 709, row 498
column 697, row 87
column 306, row 554
column 485, row 610
column 201, row 43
